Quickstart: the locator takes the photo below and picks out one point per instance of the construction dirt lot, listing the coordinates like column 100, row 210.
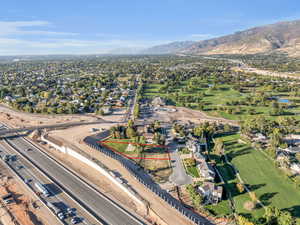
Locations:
column 23, row 119
column 185, row 115
column 25, row 208
column 167, row 215
column 160, row 211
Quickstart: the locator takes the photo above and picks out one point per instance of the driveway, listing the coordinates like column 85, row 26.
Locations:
column 179, row 175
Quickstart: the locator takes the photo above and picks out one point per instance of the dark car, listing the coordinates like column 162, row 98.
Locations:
column 76, row 220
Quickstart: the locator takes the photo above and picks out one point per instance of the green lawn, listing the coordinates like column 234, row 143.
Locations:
column 260, row 173
column 192, row 170
column 221, row 209
column 118, row 146
column 215, row 98
column 153, row 90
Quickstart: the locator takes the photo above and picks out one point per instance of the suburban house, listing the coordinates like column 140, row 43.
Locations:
column 259, row 137
column 295, row 167
column 193, row 145
column 282, row 158
column 206, row 170
column 291, row 149
column 211, row 193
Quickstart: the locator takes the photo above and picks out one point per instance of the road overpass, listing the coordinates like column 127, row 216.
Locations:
column 53, row 126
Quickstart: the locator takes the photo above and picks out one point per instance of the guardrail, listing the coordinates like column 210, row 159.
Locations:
column 174, row 203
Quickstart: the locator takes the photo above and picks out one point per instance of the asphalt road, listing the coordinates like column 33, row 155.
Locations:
column 61, row 125
column 107, row 212
column 59, row 198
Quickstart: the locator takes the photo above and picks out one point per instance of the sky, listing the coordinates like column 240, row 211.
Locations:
column 35, row 27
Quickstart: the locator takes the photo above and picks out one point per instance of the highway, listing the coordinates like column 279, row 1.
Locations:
column 102, row 208
column 31, row 175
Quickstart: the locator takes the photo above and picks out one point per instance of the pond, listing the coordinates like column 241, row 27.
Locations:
column 283, row 100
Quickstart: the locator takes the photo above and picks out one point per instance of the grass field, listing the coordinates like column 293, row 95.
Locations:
column 119, row 146
column 192, row 170
column 261, row 175
column 153, row 90
column 214, row 98
column 221, row 209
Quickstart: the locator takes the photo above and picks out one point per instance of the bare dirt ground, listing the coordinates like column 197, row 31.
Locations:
column 160, row 169
column 22, row 119
column 185, row 115
column 267, row 72
column 167, row 214
column 75, row 135
column 22, row 210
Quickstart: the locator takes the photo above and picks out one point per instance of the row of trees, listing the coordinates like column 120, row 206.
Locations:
column 272, row 216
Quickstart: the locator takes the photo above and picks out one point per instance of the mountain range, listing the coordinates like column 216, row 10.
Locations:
column 169, row 48
column 281, row 37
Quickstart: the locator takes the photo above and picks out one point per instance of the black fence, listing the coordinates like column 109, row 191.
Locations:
column 133, row 170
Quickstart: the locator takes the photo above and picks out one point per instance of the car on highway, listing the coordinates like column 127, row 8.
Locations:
column 20, row 167
column 28, row 149
column 76, row 220
column 8, row 201
column 13, row 158
column 6, row 158
column 27, row 181
column 61, row 215
column 71, row 212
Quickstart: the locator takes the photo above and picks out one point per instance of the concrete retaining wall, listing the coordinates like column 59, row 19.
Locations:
column 129, row 165
column 127, row 189
column 60, row 148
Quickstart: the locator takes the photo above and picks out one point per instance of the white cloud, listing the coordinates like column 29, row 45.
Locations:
column 23, row 37
column 9, row 28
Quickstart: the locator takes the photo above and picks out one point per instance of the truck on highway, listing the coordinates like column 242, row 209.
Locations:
column 56, row 210
column 41, row 188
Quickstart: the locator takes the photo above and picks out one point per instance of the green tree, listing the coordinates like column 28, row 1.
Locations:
column 130, row 123
column 285, row 218
column 243, row 221
column 130, row 132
